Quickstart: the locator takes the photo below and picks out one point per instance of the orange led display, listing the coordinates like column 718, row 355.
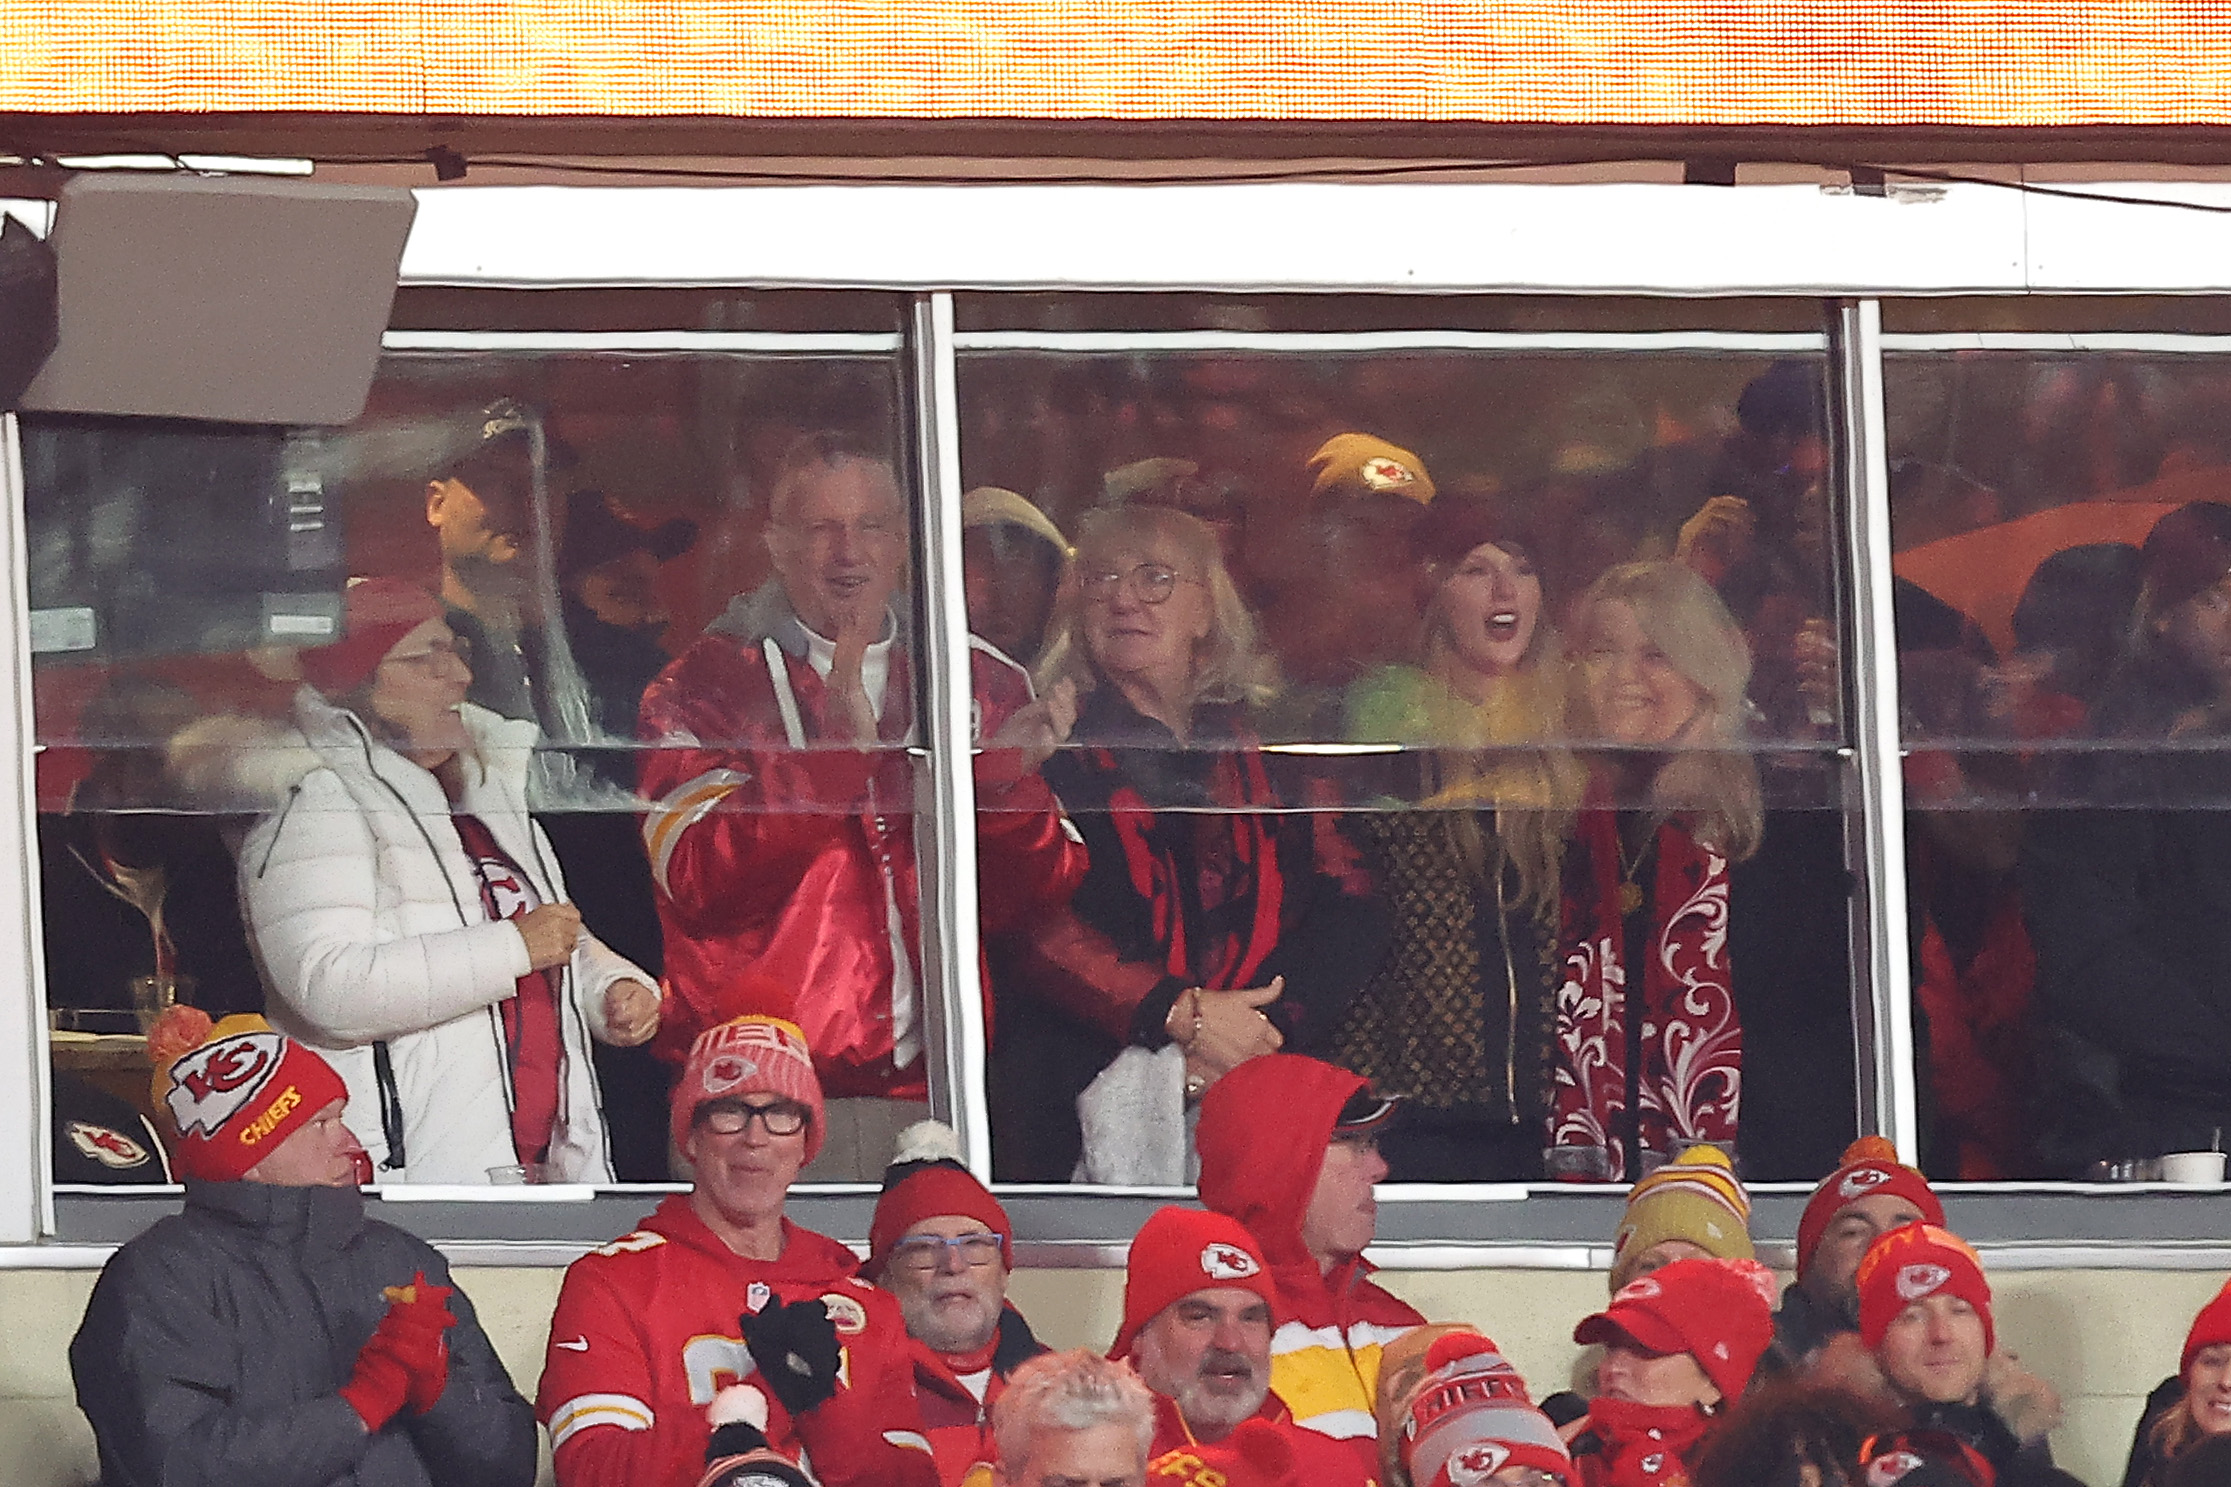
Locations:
column 1970, row 63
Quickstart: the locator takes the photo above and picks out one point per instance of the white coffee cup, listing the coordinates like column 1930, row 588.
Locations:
column 2193, row 1168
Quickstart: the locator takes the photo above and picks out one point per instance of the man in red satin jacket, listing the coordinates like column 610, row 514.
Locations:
column 781, row 834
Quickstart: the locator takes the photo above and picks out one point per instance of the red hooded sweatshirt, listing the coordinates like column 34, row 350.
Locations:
column 1263, row 1133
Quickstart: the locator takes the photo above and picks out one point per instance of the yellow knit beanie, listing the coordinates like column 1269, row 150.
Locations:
column 1696, row 1197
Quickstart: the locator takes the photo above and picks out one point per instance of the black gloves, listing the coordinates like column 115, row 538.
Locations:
column 795, row 1346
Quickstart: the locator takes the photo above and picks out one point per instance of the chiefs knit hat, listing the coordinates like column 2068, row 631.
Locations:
column 1870, row 1167
column 237, row 1093
column 1696, row 1197
column 1472, row 1418
column 1719, row 1312
column 1182, row 1250
column 2211, row 1327
column 1351, row 465
column 927, row 1180
column 751, row 1055
column 375, row 614
column 1911, row 1264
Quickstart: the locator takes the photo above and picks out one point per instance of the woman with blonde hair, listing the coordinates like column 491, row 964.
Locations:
column 1220, row 911
column 1459, row 1017
column 1649, row 1043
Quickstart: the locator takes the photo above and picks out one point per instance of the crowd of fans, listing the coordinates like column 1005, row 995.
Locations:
column 273, row 1333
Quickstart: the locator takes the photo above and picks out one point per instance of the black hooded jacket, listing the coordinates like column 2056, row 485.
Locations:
column 215, row 1343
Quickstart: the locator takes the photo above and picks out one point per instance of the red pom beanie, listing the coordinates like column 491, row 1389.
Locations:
column 924, row 1181
column 751, row 1055
column 1471, row 1418
column 238, row 1096
column 1871, row 1166
column 1182, row 1250
column 375, row 614
column 2212, row 1326
column 1719, row 1312
column 1911, row 1264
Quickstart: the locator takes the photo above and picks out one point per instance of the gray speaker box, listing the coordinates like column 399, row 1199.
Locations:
column 236, row 299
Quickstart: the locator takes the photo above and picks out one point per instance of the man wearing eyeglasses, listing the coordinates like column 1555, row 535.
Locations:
column 719, row 1288
column 1290, row 1148
column 941, row 1244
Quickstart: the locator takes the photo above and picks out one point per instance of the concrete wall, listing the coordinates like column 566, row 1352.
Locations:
column 2105, row 1337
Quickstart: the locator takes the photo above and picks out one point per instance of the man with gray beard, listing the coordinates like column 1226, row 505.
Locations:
column 1198, row 1312
column 941, row 1244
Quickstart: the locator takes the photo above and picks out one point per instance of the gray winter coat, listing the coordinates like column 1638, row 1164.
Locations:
column 213, row 1347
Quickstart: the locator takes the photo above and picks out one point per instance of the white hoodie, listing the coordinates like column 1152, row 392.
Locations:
column 365, row 914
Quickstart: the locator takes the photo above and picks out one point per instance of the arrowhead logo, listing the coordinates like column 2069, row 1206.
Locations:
column 1227, row 1262
column 1476, row 1466
column 1383, row 474
column 1862, row 1182
column 1887, row 1471
column 110, row 1148
column 1645, row 1289
column 1917, row 1281
column 210, row 1085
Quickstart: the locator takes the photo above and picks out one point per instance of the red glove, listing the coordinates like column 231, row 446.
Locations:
column 380, row 1384
column 420, row 1316
column 407, row 1359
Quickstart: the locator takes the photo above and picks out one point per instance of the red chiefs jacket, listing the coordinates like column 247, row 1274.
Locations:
column 1261, row 1168
column 1178, row 1458
column 778, row 850
column 645, row 1334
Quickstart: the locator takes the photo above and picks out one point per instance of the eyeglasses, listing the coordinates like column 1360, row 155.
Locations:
column 1149, row 583
column 926, row 1253
column 458, row 649
column 781, row 1118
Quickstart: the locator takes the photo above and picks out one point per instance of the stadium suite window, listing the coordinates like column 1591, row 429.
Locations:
column 2062, row 549
column 307, row 696
column 1583, row 452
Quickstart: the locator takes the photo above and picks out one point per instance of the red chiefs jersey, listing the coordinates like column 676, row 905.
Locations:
column 646, row 1332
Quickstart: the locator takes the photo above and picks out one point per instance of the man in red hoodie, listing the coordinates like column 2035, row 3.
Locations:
column 1199, row 1307
column 1290, row 1148
column 718, row 1288
column 941, row 1244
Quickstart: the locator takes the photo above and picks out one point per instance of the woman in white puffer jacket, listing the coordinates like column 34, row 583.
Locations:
column 410, row 917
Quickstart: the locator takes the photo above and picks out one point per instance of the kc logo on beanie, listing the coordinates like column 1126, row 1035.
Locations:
column 1182, row 1250
column 1909, row 1265
column 238, row 1095
column 210, row 1085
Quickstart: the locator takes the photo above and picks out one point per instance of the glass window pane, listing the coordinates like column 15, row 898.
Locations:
column 1413, row 699
column 317, row 708
column 2062, row 561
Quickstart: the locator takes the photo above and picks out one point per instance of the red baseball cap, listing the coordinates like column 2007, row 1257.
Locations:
column 1719, row 1312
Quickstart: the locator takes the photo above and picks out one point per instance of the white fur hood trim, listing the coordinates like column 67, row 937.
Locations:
column 240, row 763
